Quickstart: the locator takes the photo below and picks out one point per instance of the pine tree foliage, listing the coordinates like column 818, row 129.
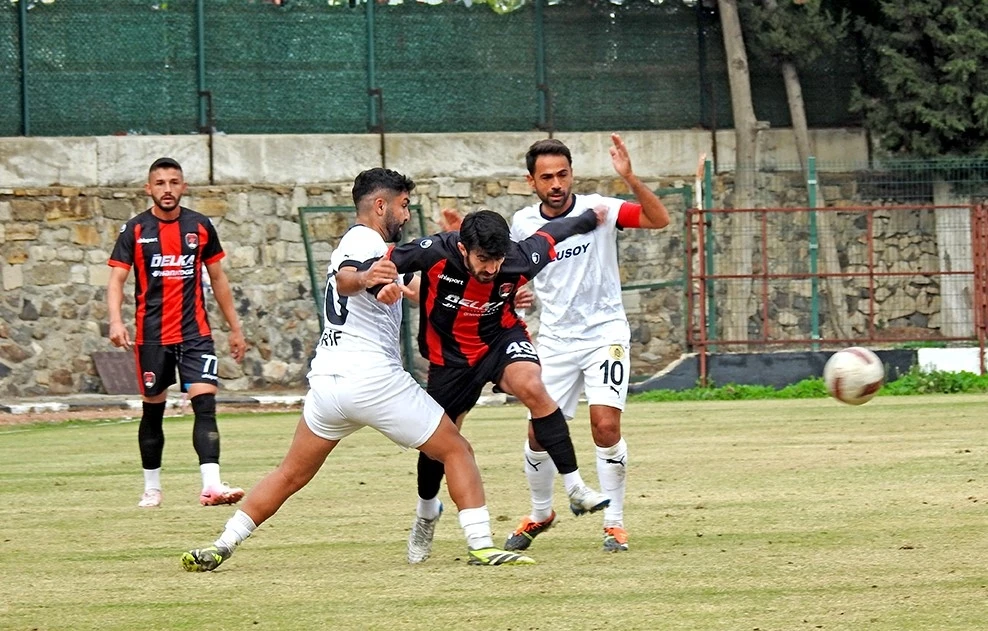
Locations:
column 929, row 60
column 797, row 31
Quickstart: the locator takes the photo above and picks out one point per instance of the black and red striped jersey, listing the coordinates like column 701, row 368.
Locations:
column 167, row 257
column 460, row 318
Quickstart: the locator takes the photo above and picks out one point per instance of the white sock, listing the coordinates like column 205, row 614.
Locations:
column 476, row 524
column 237, row 529
column 573, row 481
column 210, row 475
column 152, row 479
column 429, row 509
column 541, row 474
column 612, row 469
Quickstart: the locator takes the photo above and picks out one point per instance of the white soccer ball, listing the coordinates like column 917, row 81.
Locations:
column 853, row 375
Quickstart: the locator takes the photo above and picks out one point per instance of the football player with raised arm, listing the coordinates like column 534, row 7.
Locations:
column 584, row 337
column 357, row 380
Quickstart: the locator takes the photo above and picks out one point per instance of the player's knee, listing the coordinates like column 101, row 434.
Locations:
column 606, row 433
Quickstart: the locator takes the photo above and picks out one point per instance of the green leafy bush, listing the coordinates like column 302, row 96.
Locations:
column 916, row 381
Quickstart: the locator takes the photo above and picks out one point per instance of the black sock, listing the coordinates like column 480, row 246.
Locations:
column 205, row 433
column 151, row 436
column 552, row 433
column 430, row 476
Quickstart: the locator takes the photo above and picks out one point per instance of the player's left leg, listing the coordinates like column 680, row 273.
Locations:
column 521, row 376
column 305, row 456
column 198, row 371
column 606, row 377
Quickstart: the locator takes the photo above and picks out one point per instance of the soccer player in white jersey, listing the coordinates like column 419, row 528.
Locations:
column 357, row 379
column 584, row 337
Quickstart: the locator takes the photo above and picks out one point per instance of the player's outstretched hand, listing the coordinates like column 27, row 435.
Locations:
column 450, row 220
column 524, row 298
column 619, row 157
column 382, row 272
column 390, row 294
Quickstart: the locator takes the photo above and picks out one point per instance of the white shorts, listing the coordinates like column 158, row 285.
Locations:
column 601, row 372
column 390, row 401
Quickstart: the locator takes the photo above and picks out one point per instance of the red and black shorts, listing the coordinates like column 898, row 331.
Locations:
column 457, row 388
column 195, row 360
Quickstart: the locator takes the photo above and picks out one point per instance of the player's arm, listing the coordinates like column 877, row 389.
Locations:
column 412, row 287
column 380, row 278
column 119, row 335
column 561, row 229
column 540, row 248
column 224, row 298
column 652, row 212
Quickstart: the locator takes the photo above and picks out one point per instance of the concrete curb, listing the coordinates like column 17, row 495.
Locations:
column 76, row 403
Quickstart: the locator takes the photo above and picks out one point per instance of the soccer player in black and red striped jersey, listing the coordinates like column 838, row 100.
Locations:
column 469, row 332
column 168, row 245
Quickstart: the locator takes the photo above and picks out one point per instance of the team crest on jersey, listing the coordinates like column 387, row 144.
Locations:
column 425, row 243
column 536, row 257
column 616, row 351
column 149, row 379
column 192, row 240
column 505, row 290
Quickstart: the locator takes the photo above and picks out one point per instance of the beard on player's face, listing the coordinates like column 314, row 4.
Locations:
column 167, row 202
column 393, row 226
column 555, row 198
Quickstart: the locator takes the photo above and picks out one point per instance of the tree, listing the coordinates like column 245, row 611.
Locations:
column 929, row 99
column 790, row 36
column 741, row 243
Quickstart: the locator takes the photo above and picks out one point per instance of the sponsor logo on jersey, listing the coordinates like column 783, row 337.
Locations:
column 472, row 307
column 450, row 279
column 149, row 379
column 175, row 265
column 148, row 240
column 505, row 289
column 425, row 243
column 191, row 240
column 570, row 252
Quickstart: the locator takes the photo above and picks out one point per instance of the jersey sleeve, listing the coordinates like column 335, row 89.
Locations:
column 212, row 251
column 123, row 250
column 418, row 255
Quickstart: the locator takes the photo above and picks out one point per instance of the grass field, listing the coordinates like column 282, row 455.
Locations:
column 747, row 515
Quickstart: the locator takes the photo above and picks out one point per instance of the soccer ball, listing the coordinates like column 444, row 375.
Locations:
column 853, row 375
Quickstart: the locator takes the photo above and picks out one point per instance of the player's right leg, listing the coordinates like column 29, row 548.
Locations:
column 305, row 456
column 563, row 381
column 156, row 372
column 549, row 432
column 466, row 490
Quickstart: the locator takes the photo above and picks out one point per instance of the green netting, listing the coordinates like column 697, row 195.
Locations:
column 297, row 69
column 133, row 66
column 453, row 68
column 10, row 73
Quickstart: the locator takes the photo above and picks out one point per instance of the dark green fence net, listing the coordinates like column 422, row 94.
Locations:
column 82, row 67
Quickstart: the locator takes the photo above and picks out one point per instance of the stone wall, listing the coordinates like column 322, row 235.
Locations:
column 62, row 202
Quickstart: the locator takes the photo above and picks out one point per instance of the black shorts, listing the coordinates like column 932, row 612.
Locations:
column 196, row 362
column 457, row 388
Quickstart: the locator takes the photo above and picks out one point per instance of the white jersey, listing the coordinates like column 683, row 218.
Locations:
column 359, row 330
column 580, row 290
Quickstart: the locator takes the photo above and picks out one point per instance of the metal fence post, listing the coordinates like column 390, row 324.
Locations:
column 25, row 101
column 708, row 245
column 814, row 246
